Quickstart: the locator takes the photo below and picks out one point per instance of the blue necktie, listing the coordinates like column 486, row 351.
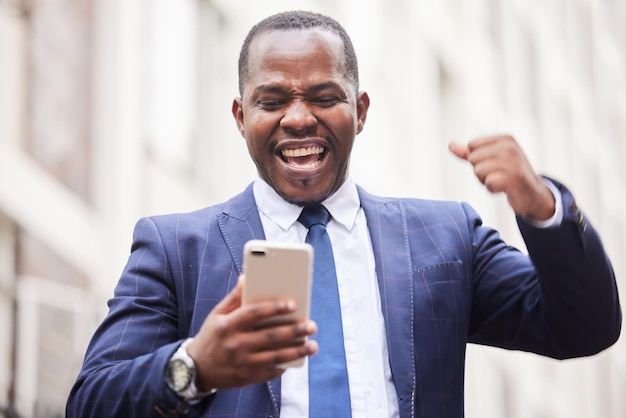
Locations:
column 329, row 393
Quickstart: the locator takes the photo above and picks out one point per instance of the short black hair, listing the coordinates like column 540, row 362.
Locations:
column 299, row 20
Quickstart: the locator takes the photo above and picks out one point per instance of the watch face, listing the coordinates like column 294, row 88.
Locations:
column 178, row 375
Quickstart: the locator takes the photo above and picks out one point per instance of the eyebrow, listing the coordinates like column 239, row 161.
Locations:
column 273, row 88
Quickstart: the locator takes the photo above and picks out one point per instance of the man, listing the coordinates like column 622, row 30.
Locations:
column 417, row 279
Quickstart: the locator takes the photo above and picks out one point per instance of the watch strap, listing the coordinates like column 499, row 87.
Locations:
column 190, row 393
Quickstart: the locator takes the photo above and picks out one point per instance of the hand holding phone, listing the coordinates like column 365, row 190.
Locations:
column 279, row 270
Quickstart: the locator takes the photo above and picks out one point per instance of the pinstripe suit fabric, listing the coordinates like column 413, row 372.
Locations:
column 444, row 280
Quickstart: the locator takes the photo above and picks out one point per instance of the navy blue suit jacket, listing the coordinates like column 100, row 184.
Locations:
column 445, row 280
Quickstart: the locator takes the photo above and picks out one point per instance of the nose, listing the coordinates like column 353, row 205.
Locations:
column 298, row 116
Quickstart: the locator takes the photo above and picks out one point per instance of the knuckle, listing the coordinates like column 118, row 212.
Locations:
column 492, row 186
column 235, row 350
column 299, row 330
column 222, row 327
column 255, row 310
column 272, row 336
column 231, row 349
column 279, row 358
column 302, row 350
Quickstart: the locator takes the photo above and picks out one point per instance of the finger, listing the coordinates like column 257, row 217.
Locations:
column 274, row 358
column 484, row 141
column 501, row 147
column 487, row 167
column 495, row 182
column 282, row 335
column 487, row 151
column 247, row 375
column 250, row 315
column 460, row 150
column 262, row 366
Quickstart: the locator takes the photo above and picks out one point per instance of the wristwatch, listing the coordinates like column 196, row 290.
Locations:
column 180, row 375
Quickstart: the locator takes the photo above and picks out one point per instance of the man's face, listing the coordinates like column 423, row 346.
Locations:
column 299, row 113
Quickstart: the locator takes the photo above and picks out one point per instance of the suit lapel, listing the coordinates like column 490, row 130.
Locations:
column 387, row 224
column 239, row 223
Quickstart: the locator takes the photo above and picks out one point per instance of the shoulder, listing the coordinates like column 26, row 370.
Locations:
column 417, row 208
column 198, row 221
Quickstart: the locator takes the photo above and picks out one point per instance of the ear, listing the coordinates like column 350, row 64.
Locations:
column 362, row 104
column 237, row 111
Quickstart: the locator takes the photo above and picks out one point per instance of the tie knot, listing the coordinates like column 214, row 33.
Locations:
column 314, row 215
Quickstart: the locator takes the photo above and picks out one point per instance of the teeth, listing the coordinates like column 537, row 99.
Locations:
column 312, row 164
column 302, row 152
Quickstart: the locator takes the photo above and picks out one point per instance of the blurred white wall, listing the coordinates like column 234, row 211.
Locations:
column 161, row 78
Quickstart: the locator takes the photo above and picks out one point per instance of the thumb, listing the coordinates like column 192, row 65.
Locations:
column 232, row 300
column 460, row 150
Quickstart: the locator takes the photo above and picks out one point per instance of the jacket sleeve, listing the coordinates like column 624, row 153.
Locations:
column 123, row 370
column 564, row 304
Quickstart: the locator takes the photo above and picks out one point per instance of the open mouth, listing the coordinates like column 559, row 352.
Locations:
column 304, row 158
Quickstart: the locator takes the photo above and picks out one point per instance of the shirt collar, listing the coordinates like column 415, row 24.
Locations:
column 343, row 205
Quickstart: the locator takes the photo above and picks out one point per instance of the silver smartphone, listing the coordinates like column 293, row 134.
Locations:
column 276, row 270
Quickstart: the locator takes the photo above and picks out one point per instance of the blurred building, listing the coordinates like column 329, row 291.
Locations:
column 115, row 109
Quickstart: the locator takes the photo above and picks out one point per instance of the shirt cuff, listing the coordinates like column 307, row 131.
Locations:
column 557, row 218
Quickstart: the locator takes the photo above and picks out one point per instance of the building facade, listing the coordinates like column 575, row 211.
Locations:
column 115, row 109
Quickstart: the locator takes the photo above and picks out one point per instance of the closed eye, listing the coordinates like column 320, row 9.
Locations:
column 270, row 104
column 325, row 101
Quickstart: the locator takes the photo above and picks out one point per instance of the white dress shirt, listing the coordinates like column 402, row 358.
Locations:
column 372, row 393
